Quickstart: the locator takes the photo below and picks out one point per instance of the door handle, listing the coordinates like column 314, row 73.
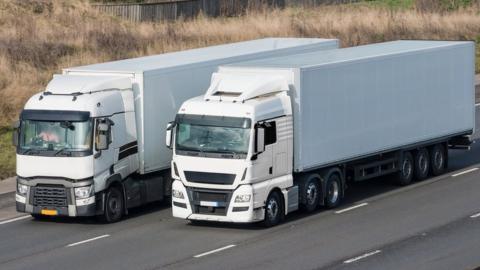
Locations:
column 270, row 170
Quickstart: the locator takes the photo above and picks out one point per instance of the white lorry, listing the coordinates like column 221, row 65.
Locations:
column 89, row 144
column 272, row 135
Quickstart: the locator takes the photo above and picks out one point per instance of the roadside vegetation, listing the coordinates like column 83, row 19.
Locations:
column 40, row 37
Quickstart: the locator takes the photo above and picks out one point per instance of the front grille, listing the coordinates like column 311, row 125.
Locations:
column 49, row 202
column 50, row 196
column 42, row 191
column 219, row 211
column 221, row 198
column 211, row 197
column 210, row 178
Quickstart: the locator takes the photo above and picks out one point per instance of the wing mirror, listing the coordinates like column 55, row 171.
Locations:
column 169, row 134
column 15, row 133
column 103, row 136
column 260, row 141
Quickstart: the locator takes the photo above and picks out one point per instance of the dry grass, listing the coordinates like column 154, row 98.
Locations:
column 39, row 37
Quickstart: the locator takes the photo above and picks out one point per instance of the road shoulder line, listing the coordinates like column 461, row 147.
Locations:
column 14, row 219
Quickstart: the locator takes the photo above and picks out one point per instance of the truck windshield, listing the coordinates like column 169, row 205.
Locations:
column 213, row 135
column 55, row 137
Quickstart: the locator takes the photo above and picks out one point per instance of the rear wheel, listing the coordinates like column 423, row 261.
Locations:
column 311, row 195
column 405, row 175
column 422, row 164
column 333, row 191
column 273, row 210
column 438, row 160
column 114, row 205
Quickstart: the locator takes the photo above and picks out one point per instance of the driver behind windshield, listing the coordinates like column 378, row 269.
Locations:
column 50, row 134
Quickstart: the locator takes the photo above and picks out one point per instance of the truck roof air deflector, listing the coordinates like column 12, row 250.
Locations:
column 238, row 88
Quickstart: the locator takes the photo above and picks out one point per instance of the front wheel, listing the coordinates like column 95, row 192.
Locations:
column 273, row 210
column 114, row 205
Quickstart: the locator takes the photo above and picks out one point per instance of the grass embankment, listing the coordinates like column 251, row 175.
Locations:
column 39, row 37
column 7, row 154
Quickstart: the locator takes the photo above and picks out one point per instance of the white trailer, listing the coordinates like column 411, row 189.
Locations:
column 272, row 135
column 90, row 143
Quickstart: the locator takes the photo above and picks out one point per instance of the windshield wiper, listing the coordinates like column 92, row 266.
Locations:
column 234, row 154
column 30, row 151
column 62, row 151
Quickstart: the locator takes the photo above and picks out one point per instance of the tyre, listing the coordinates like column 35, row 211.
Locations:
column 438, row 160
column 422, row 164
column 405, row 175
column 333, row 191
column 273, row 209
column 311, row 195
column 114, row 205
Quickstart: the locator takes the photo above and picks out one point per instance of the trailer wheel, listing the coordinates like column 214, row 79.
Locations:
column 114, row 205
column 437, row 160
column 405, row 175
column 273, row 210
column 333, row 191
column 311, row 195
column 422, row 164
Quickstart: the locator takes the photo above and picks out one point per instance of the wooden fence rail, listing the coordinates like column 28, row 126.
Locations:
column 173, row 10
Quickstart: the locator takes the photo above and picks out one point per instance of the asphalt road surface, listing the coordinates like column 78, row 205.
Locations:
column 433, row 224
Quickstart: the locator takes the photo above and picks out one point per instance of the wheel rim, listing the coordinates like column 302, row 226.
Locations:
column 272, row 209
column 423, row 164
column 114, row 205
column 333, row 192
column 438, row 160
column 312, row 193
column 407, row 168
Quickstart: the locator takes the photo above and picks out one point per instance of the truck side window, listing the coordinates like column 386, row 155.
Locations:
column 270, row 132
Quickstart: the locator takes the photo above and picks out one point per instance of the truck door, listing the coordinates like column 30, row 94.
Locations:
column 104, row 159
column 263, row 165
column 279, row 147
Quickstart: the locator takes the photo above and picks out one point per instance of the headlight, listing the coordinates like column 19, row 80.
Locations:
column 22, row 189
column 177, row 194
column 84, row 192
column 243, row 198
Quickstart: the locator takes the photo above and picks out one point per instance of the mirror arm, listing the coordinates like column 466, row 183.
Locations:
column 98, row 154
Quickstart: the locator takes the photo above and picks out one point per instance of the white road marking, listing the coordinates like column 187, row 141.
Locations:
column 475, row 216
column 14, row 219
column 88, row 240
column 362, row 256
column 350, row 208
column 464, row 172
column 214, row 251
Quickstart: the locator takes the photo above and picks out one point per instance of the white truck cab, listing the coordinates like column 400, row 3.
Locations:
column 222, row 172
column 74, row 136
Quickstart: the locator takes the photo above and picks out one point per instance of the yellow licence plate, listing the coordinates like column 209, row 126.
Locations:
column 48, row 212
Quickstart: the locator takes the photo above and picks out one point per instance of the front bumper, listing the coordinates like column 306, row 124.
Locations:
column 215, row 205
column 57, row 199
